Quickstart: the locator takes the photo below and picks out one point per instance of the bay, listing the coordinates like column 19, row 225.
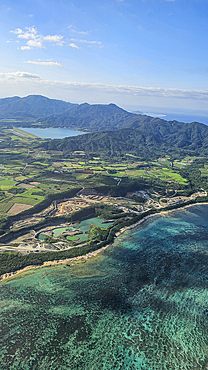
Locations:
column 51, row 132
column 142, row 304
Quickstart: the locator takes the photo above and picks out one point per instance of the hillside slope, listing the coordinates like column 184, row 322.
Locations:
column 86, row 117
column 149, row 138
column 32, row 106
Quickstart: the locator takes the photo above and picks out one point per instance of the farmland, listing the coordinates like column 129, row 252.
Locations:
column 41, row 188
column 28, row 173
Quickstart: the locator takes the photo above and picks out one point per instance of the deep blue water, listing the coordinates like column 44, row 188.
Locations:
column 142, row 304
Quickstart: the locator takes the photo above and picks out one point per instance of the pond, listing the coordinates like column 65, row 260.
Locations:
column 83, row 226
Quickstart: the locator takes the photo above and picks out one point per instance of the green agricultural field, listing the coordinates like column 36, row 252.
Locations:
column 175, row 176
column 6, row 184
column 21, row 178
column 63, row 187
column 135, row 173
column 5, row 206
column 44, row 186
column 81, row 176
column 30, row 201
column 204, row 172
column 17, row 137
column 40, row 164
column 29, row 194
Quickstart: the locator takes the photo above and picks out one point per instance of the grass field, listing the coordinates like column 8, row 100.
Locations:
column 29, row 194
column 6, row 184
column 5, row 206
column 25, row 200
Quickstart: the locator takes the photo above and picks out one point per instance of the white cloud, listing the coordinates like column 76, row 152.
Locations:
column 80, row 32
column 25, row 47
column 35, row 39
column 44, row 63
column 87, row 42
column 31, row 33
column 90, row 42
column 55, row 38
column 14, row 76
column 74, row 45
column 136, row 90
column 29, row 83
column 35, row 44
column 17, row 31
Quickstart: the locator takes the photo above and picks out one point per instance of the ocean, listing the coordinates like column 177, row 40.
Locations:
column 141, row 304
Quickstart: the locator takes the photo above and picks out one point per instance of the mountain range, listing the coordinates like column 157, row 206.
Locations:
column 31, row 107
column 37, row 109
column 149, row 138
column 111, row 130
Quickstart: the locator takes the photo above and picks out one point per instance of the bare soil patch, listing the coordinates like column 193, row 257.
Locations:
column 57, row 164
column 17, row 208
column 26, row 186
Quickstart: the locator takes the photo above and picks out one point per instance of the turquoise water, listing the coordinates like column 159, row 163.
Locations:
column 83, row 226
column 51, row 132
column 142, row 304
column 42, row 236
column 60, row 230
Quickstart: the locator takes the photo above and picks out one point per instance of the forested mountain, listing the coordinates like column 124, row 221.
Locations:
column 148, row 138
column 57, row 113
column 32, row 106
column 96, row 117
column 114, row 131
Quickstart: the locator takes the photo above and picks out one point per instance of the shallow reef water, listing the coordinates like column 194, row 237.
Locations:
column 142, row 304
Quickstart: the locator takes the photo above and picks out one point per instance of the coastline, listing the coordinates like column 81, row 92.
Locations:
column 85, row 257
column 157, row 214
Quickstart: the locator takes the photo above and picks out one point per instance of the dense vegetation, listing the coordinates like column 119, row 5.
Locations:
column 150, row 138
column 88, row 117
column 32, row 106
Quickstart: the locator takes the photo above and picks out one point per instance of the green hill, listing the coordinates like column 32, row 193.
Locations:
column 32, row 106
column 86, row 117
column 114, row 131
column 147, row 138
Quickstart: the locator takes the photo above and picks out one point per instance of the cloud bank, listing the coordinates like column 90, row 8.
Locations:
column 17, row 76
column 97, row 87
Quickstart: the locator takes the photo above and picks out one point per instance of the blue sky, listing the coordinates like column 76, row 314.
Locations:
column 140, row 53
